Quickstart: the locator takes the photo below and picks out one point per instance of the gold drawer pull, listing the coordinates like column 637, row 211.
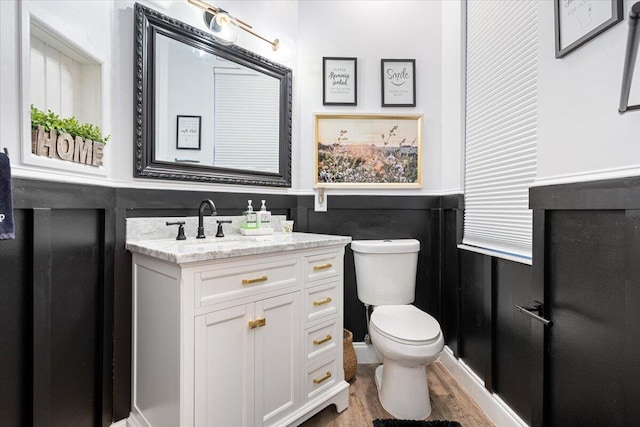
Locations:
column 257, row 323
column 323, row 340
column 324, row 301
column 321, row 379
column 322, row 267
column 257, row 280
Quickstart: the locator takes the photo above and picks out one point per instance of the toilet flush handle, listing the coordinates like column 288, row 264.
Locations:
column 534, row 312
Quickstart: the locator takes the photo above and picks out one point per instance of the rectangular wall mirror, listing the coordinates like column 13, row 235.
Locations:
column 205, row 111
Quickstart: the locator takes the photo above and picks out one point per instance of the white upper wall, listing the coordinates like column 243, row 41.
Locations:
column 581, row 135
column 370, row 31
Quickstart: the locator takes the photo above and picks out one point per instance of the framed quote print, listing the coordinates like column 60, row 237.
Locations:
column 398, row 82
column 339, row 81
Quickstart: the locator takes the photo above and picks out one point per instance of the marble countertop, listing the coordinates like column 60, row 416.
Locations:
column 211, row 248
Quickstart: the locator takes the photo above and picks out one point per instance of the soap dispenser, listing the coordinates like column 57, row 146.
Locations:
column 264, row 216
column 250, row 218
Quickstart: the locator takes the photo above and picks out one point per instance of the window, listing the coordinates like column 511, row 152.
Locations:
column 501, row 125
column 246, row 117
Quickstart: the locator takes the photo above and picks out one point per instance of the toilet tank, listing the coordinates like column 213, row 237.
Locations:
column 386, row 270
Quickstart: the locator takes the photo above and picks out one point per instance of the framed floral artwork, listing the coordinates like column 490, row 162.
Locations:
column 368, row 150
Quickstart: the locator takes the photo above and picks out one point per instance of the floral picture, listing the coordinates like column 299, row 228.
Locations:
column 368, row 150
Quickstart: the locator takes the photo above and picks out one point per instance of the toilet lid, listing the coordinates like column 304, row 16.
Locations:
column 405, row 324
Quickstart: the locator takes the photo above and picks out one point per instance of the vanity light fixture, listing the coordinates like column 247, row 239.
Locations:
column 225, row 26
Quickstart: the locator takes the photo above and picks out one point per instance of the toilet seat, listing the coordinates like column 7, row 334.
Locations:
column 405, row 324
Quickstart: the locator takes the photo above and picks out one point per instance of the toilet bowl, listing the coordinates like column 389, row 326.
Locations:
column 408, row 339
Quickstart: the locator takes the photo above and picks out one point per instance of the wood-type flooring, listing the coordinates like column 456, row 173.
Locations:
column 448, row 402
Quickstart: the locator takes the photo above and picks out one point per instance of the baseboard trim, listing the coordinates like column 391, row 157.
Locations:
column 494, row 407
column 121, row 423
column 365, row 353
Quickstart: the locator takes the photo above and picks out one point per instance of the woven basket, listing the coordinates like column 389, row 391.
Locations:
column 350, row 361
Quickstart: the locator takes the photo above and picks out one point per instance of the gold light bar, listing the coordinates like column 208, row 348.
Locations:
column 275, row 44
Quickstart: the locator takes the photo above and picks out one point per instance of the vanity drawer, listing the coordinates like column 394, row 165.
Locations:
column 322, row 377
column 322, row 266
column 322, row 340
column 321, row 301
column 239, row 279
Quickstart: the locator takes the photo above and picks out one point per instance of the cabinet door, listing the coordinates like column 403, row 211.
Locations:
column 277, row 364
column 224, row 368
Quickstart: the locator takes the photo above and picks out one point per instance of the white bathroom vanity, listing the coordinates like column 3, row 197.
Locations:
column 237, row 331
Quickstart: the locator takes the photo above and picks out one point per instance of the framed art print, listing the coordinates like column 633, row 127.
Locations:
column 339, row 81
column 398, row 82
column 188, row 134
column 368, row 150
column 578, row 21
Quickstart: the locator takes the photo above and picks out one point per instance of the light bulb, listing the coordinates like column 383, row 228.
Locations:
column 224, row 28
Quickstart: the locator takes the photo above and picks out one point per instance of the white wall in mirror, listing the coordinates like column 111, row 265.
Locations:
column 237, row 109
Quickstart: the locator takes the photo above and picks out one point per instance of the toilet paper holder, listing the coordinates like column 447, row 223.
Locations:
column 534, row 312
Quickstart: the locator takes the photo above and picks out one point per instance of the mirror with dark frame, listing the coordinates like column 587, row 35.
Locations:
column 205, row 111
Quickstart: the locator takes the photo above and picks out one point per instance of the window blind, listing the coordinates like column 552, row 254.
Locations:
column 53, row 75
column 501, row 122
column 246, row 109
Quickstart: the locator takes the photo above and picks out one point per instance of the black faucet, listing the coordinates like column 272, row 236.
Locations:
column 203, row 205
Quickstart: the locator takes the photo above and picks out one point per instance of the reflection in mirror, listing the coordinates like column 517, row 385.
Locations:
column 208, row 112
column 237, row 106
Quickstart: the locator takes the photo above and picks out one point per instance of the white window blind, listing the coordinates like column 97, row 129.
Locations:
column 52, row 79
column 501, row 121
column 250, row 113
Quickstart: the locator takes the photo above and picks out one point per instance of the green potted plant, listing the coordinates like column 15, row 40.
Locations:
column 66, row 138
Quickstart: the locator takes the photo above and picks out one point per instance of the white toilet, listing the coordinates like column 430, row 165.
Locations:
column 406, row 337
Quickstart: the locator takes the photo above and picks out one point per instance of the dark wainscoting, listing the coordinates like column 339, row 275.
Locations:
column 65, row 284
column 591, row 274
column 585, row 369
column 56, row 307
column 495, row 339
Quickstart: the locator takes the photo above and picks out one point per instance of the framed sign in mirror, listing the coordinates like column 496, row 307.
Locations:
column 188, row 133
